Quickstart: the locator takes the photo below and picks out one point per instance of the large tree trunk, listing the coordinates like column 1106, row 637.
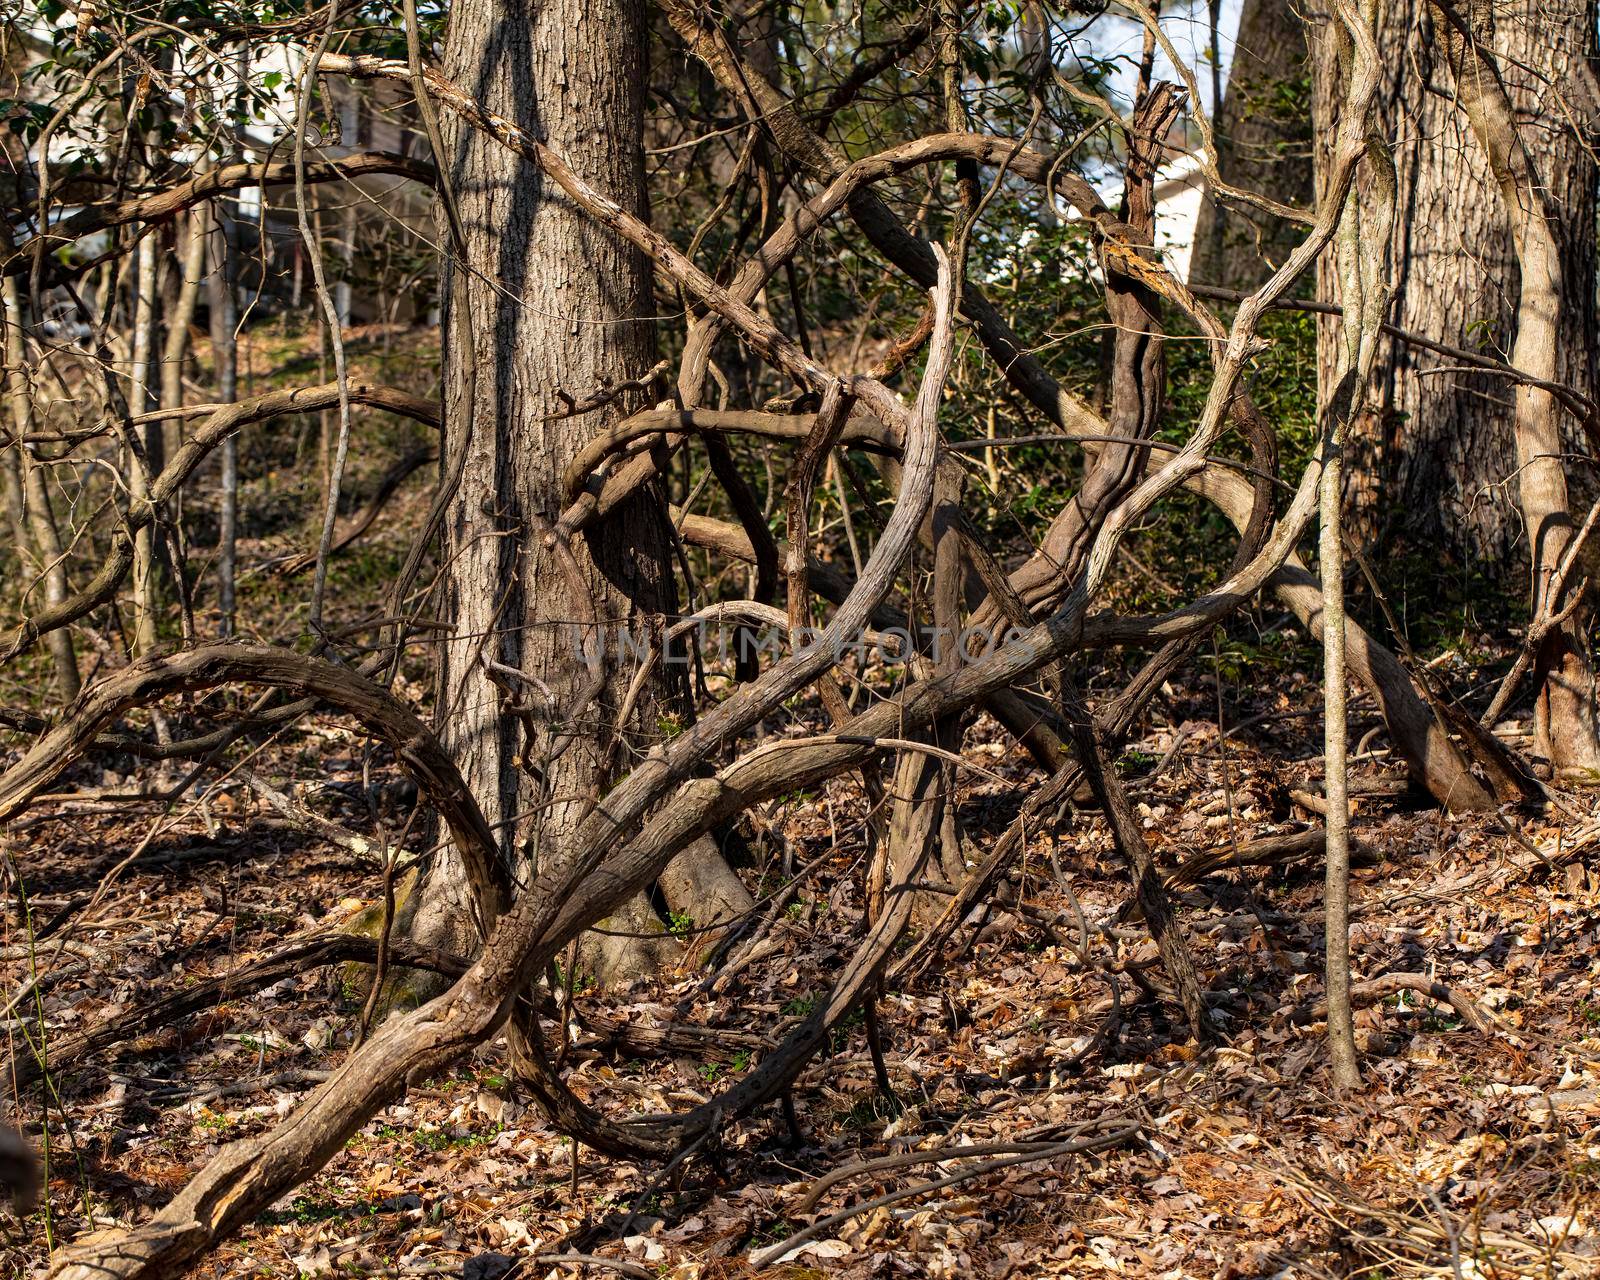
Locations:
column 1565, row 713
column 550, row 303
column 1263, row 144
column 1471, row 465
column 1434, row 466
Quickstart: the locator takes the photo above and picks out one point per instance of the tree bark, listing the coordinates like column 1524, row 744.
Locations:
column 1364, row 233
column 180, row 316
column 141, row 398
column 1263, row 144
column 40, row 518
column 1431, row 465
column 531, row 679
column 223, row 303
column 1565, row 711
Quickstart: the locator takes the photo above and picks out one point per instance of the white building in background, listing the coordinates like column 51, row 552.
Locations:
column 262, row 225
column 1180, row 192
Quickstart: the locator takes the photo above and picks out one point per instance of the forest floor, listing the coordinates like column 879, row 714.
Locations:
column 1471, row 1152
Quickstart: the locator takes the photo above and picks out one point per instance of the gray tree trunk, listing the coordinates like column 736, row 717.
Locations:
column 222, row 300
column 1263, row 144
column 1435, row 465
column 45, row 539
column 550, row 304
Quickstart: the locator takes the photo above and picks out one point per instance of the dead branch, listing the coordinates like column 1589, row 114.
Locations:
column 1046, row 1151
column 388, row 485
column 66, row 1052
column 863, row 432
column 223, row 422
column 1273, row 851
column 206, row 186
column 1378, row 989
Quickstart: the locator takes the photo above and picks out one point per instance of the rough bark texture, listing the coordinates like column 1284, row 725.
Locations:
column 1421, row 738
column 1263, row 144
column 552, row 304
column 1565, row 712
column 223, row 303
column 140, row 471
column 1435, row 458
column 45, row 539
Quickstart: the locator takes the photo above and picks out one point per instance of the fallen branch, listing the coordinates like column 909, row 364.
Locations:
column 349, row 530
column 1299, row 846
column 256, row 975
column 1371, row 992
column 1045, row 1151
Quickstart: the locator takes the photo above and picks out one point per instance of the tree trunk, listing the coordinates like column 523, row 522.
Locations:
column 531, row 678
column 1565, row 712
column 141, row 398
column 40, row 518
column 181, row 315
column 1263, row 144
column 1433, row 467
column 223, row 303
